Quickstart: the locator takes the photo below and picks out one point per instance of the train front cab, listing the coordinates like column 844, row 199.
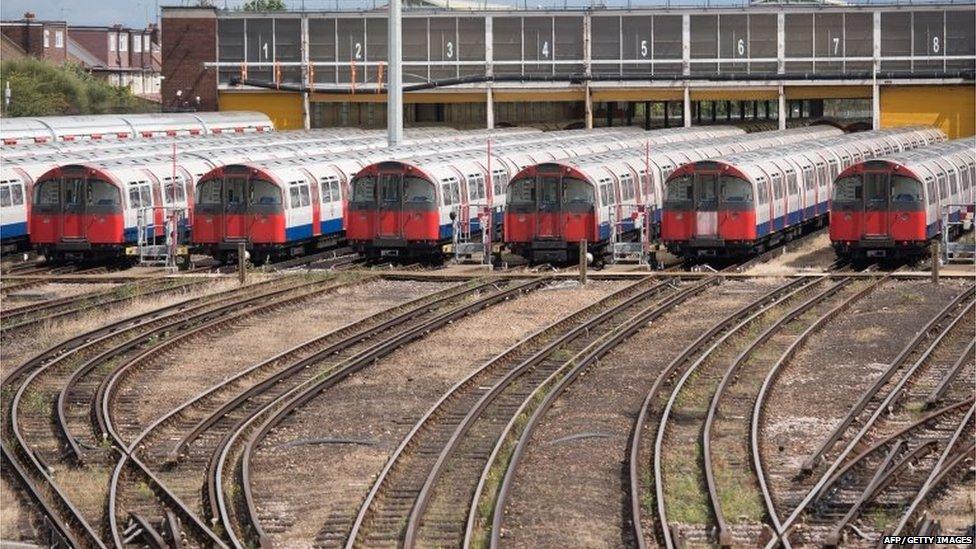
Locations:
column 878, row 212
column 239, row 204
column 549, row 211
column 709, row 212
column 77, row 213
column 394, row 214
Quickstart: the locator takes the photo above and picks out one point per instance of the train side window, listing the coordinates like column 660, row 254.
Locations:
column 17, row 194
column 791, row 183
column 295, row 197
column 446, row 192
column 455, row 191
column 146, row 195
column 476, row 186
column 499, row 181
column 777, row 188
column 135, row 198
column 306, row 197
column 336, row 190
column 930, row 187
column 905, row 189
column 953, row 186
column 5, row 196
column 325, row 193
column 605, row 194
column 808, row 179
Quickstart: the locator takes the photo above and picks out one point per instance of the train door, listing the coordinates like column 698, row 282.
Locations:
column 331, row 215
column 549, row 206
column 299, row 213
column 72, row 206
column 235, row 207
column 875, row 203
column 705, row 193
column 390, row 205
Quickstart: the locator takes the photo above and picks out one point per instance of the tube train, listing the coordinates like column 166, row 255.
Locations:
column 891, row 207
column 90, row 208
column 552, row 207
column 742, row 204
column 294, row 206
column 409, row 208
column 26, row 131
column 27, row 169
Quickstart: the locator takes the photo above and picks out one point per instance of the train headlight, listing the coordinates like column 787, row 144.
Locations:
column 904, row 217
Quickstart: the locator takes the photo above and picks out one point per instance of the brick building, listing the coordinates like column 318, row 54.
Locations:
column 123, row 56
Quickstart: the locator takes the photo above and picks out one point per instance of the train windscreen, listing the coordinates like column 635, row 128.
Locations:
column 364, row 190
column 680, row 189
column 576, row 191
column 734, row 189
column 905, row 189
column 847, row 189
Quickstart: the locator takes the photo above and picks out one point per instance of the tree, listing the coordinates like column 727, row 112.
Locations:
column 264, row 5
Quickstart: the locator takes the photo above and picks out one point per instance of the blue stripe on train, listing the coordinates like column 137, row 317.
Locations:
column 330, row 226
column 298, row 232
column 13, row 230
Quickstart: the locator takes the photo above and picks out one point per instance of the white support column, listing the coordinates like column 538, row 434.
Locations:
column 394, row 97
column 687, row 106
column 875, row 67
column 490, row 72
column 306, row 77
column 588, row 70
column 780, row 42
column 686, row 65
column 782, row 108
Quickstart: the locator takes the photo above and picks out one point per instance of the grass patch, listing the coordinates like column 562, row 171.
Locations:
column 685, row 492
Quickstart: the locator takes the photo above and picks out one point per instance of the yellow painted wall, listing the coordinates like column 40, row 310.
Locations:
column 284, row 108
column 950, row 108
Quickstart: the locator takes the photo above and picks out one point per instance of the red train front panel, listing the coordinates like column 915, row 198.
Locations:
column 236, row 204
column 394, row 211
column 878, row 210
column 77, row 208
column 709, row 210
column 550, row 209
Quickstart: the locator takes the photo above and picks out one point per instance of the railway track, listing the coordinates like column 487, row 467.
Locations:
column 25, row 280
column 717, row 378
column 35, row 314
column 929, row 362
column 471, row 414
column 210, row 448
column 46, row 451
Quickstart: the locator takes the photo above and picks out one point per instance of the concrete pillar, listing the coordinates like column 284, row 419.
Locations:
column 686, row 108
column 490, row 107
column 306, row 105
column 876, row 65
column 588, row 106
column 394, row 99
column 782, row 109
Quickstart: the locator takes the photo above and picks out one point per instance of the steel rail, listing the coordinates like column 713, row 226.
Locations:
column 895, row 365
column 636, row 437
column 296, row 362
column 893, row 394
column 301, row 394
column 106, row 392
column 203, row 310
column 583, row 360
column 511, row 355
column 940, row 390
column 32, row 368
column 725, row 533
column 938, row 472
column 665, row 416
column 771, row 377
column 139, row 440
column 89, row 302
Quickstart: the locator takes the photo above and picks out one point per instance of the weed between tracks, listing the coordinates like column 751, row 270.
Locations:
column 684, row 487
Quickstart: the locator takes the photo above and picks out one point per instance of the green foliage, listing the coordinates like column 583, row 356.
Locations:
column 264, row 5
column 41, row 88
